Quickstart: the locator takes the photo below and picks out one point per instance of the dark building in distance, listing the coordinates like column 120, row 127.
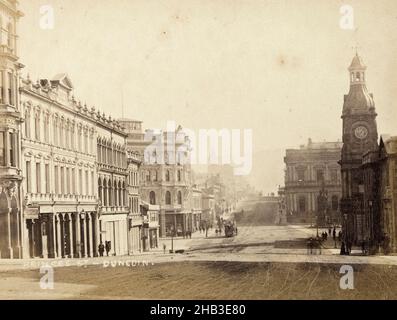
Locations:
column 312, row 170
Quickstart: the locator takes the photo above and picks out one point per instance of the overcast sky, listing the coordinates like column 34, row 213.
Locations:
column 276, row 67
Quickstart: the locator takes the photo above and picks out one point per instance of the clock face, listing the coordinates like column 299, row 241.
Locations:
column 361, row 132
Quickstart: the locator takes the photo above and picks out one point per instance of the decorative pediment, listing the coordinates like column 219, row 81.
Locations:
column 63, row 80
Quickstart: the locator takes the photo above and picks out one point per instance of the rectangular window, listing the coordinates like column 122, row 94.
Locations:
column 37, row 127
column 320, row 175
column 2, row 149
column 92, row 183
column 11, row 146
column 73, row 182
column 27, row 125
column 80, row 182
column 334, row 175
column 28, row 177
column 47, row 179
column 72, row 138
column 46, row 129
column 38, row 178
column 86, row 183
column 56, row 179
column 10, row 87
column 55, row 133
column 67, row 181
column 62, row 180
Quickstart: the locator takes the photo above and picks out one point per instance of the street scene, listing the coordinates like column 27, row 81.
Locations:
column 198, row 150
column 248, row 266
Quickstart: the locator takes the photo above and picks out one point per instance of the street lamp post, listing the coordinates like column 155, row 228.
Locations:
column 172, row 239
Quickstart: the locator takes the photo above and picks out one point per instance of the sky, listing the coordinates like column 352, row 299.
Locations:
column 276, row 67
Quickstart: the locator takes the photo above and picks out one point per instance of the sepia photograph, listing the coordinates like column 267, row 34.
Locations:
column 216, row 152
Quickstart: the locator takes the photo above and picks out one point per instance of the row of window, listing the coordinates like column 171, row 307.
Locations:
column 9, row 35
column 320, row 175
column 112, row 193
column 64, row 133
column 134, row 204
column 168, row 198
column 133, row 179
column 64, row 181
column 152, row 175
column 302, row 203
column 111, row 154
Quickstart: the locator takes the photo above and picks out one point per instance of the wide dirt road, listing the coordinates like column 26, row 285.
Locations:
column 262, row 262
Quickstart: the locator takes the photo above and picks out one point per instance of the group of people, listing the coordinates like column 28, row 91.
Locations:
column 102, row 247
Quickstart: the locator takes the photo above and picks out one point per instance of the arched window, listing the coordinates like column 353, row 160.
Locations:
column 100, row 190
column 9, row 36
column 27, row 123
column 358, row 76
column 120, row 195
column 152, row 197
column 105, row 193
column 116, row 197
column 335, row 203
column 302, row 204
column 123, row 203
column 110, row 196
column 167, row 175
column 168, row 197
column 179, row 197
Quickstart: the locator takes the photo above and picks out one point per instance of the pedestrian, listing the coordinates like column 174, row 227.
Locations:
column 334, row 234
column 329, row 231
column 164, row 247
column 342, row 249
column 107, row 247
column 101, row 249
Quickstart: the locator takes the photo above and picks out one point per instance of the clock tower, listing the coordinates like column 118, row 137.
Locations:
column 359, row 136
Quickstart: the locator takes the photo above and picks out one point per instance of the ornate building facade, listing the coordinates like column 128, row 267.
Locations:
column 165, row 175
column 11, row 233
column 149, row 228
column 63, row 166
column 311, row 171
column 380, row 196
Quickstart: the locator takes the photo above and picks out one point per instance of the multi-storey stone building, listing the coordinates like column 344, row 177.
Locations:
column 74, row 168
column 379, row 169
column 63, row 167
column 135, row 232
column 165, row 175
column 11, row 233
column 149, row 229
column 312, row 170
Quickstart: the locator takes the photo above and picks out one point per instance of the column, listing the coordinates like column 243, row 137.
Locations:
column 70, row 229
column 96, row 224
column 59, row 236
column 54, row 242
column 9, row 234
column 5, row 87
column 85, row 236
column 78, row 236
column 33, row 239
column 90, row 236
